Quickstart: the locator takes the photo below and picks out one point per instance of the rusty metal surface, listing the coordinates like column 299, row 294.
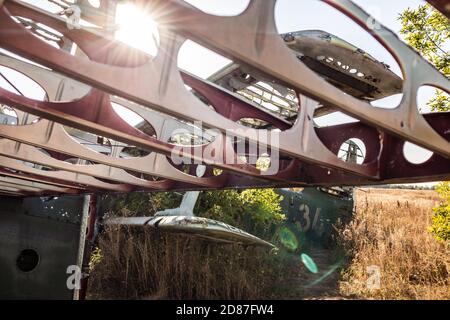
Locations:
column 81, row 91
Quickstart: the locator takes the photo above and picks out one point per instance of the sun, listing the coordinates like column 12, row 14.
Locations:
column 136, row 29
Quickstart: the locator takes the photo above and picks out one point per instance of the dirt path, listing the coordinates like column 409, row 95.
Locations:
column 322, row 285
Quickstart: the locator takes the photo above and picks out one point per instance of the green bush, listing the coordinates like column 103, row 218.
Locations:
column 138, row 203
column 441, row 217
column 256, row 211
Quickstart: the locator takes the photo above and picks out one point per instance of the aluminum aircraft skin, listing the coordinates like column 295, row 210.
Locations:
column 60, row 153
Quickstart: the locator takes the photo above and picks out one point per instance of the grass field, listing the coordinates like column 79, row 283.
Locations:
column 389, row 235
column 389, row 255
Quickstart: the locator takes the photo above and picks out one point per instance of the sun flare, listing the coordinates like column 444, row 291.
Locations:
column 137, row 29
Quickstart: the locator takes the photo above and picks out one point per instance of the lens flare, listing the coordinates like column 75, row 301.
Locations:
column 328, row 273
column 309, row 263
column 288, row 238
column 137, row 29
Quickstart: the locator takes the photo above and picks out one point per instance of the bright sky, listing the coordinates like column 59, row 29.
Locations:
column 290, row 16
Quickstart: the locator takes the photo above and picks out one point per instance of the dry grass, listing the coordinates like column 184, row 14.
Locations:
column 144, row 264
column 390, row 231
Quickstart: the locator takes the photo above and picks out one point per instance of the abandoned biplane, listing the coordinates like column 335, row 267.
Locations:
column 62, row 149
